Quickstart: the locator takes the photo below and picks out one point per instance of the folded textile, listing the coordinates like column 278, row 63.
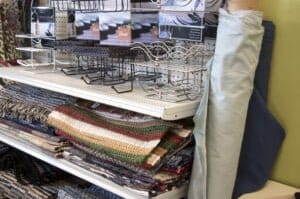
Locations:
column 138, row 179
column 171, row 143
column 29, row 170
column 29, row 115
column 69, row 192
column 48, row 143
column 29, row 106
column 9, row 26
column 4, row 148
column 174, row 140
column 181, row 162
column 103, row 157
column 12, row 189
column 92, row 192
column 8, row 63
column 102, row 192
column 144, row 185
column 129, row 142
column 262, row 141
column 114, row 173
column 233, row 67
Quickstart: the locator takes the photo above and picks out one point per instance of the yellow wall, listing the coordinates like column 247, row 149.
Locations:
column 284, row 93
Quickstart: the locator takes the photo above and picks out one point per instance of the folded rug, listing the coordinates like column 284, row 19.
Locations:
column 29, row 170
column 29, row 106
column 181, row 162
column 131, row 142
column 12, row 189
column 52, row 145
column 174, row 140
column 4, row 148
column 92, row 192
column 9, row 26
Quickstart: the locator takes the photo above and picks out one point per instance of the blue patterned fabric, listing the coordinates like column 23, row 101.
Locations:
column 103, row 193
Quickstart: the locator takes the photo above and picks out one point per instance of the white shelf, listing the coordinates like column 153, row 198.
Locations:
column 21, row 62
column 6, row 137
column 31, row 49
column 31, row 36
column 74, row 86
column 28, row 36
column 60, row 62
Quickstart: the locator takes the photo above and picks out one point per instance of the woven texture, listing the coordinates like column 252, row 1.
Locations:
column 29, row 105
column 129, row 142
column 27, row 169
column 51, row 145
column 160, row 182
column 92, row 192
column 9, row 26
column 12, row 189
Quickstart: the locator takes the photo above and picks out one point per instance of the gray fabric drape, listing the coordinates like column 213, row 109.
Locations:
column 219, row 136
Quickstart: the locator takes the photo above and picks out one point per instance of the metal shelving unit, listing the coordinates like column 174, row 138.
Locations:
column 74, row 86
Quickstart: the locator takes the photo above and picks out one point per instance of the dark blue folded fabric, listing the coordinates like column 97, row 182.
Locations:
column 261, row 81
column 263, row 133
column 103, row 193
column 262, row 141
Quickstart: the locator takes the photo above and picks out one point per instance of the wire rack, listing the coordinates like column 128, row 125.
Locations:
column 172, row 72
column 125, row 5
column 181, row 67
column 167, row 70
column 91, row 5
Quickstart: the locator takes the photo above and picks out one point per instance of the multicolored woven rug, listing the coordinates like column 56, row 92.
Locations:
column 131, row 142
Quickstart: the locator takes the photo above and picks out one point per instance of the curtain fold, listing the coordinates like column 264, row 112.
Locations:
column 220, row 119
column 236, row 57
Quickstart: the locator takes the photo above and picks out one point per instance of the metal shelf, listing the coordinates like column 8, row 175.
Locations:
column 6, row 137
column 74, row 86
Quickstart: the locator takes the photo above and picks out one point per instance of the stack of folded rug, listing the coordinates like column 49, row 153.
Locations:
column 146, row 155
column 131, row 142
column 130, row 149
column 27, row 170
column 91, row 192
column 29, row 106
column 22, row 176
column 11, row 189
column 23, row 115
column 51, row 145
